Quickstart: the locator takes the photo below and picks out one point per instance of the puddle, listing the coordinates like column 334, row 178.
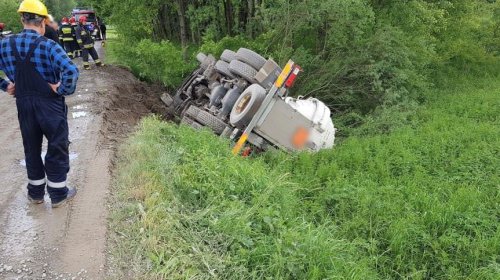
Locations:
column 72, row 156
column 79, row 114
column 20, row 230
column 79, row 107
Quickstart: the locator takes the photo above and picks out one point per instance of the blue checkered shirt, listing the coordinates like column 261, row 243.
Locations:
column 49, row 58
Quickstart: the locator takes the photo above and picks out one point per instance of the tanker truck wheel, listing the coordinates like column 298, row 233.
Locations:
column 206, row 119
column 251, row 58
column 247, row 105
column 223, row 68
column 192, row 123
column 243, row 70
column 201, row 57
column 205, row 60
column 228, row 56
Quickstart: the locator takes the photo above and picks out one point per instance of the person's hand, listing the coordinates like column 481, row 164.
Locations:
column 11, row 89
column 54, row 86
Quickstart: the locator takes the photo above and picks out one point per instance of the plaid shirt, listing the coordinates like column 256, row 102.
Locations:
column 49, row 58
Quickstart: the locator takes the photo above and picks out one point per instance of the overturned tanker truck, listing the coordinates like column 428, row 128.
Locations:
column 244, row 97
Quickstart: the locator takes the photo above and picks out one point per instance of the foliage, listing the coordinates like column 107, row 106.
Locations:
column 419, row 202
column 60, row 8
column 153, row 61
column 357, row 55
column 9, row 16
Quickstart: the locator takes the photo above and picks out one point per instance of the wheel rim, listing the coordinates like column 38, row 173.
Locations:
column 242, row 105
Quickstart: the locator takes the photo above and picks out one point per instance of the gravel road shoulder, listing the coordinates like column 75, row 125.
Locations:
column 37, row 242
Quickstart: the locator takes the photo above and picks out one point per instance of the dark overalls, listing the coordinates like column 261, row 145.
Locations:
column 67, row 38
column 84, row 38
column 41, row 112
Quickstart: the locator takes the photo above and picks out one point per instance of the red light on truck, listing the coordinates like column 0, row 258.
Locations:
column 291, row 79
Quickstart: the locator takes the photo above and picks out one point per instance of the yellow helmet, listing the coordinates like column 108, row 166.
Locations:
column 34, row 7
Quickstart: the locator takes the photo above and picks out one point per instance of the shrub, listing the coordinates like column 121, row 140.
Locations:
column 153, row 61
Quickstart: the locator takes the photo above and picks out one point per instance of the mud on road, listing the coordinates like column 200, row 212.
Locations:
column 38, row 242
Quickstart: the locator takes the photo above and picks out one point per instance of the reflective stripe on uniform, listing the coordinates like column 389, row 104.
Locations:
column 88, row 46
column 56, row 185
column 37, row 182
column 67, row 39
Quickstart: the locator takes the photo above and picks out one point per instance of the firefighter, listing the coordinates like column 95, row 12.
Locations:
column 66, row 37
column 77, row 52
column 86, row 42
column 39, row 75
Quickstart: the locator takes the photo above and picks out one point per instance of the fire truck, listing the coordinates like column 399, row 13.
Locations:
column 92, row 21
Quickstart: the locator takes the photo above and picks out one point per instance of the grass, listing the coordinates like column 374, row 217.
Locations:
column 421, row 201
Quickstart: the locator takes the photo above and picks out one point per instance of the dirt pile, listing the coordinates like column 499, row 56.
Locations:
column 125, row 102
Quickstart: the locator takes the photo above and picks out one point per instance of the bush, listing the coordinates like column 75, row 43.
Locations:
column 152, row 61
column 9, row 16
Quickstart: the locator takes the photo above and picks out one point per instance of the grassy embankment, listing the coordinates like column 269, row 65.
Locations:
column 420, row 202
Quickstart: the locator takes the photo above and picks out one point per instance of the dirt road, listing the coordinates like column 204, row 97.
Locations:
column 37, row 242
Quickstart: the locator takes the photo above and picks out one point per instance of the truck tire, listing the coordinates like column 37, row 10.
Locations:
column 251, row 58
column 228, row 56
column 247, row 105
column 190, row 122
column 223, row 68
column 206, row 119
column 210, row 59
column 201, row 57
column 243, row 70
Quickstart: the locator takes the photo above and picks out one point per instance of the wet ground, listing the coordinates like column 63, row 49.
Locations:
column 38, row 242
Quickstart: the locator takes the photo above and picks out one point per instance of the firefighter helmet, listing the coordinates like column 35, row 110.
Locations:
column 33, row 7
column 2, row 25
column 64, row 20
column 72, row 20
column 82, row 19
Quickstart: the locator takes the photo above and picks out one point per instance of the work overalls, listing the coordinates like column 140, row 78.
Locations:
column 41, row 112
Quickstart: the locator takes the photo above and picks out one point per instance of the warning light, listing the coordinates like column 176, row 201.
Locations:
column 293, row 76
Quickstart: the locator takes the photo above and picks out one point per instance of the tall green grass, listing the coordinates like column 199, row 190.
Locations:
column 419, row 202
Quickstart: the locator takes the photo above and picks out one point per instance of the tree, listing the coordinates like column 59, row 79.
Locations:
column 60, row 8
column 9, row 16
